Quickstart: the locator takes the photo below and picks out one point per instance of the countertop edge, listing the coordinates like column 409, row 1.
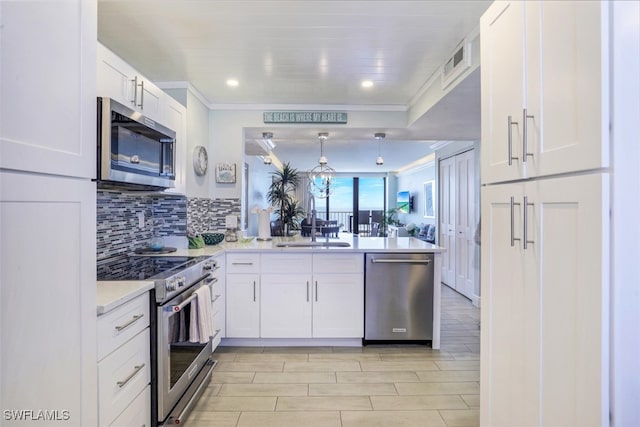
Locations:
column 112, row 294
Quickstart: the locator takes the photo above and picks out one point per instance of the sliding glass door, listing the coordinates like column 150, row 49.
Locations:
column 355, row 202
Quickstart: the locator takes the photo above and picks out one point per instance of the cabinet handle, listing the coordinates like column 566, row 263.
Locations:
column 513, row 238
column 134, row 101
column 525, row 239
column 254, row 291
column 525, row 148
column 136, row 369
column 241, row 263
column 510, row 124
column 141, row 105
column 307, row 291
column 316, row 291
column 133, row 320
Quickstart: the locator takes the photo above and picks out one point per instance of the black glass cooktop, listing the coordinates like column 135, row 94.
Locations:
column 143, row 267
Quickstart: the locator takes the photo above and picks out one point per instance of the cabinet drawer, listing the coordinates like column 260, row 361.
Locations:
column 217, row 286
column 137, row 414
column 219, row 323
column 121, row 324
column 338, row 263
column 243, row 263
column 217, row 303
column 122, row 376
column 286, row 263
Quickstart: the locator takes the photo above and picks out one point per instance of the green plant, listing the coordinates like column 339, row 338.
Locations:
column 390, row 218
column 283, row 186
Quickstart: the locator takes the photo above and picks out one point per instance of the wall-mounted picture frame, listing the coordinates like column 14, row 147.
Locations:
column 226, row 173
column 429, row 199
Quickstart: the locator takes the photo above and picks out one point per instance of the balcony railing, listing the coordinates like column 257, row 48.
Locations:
column 345, row 219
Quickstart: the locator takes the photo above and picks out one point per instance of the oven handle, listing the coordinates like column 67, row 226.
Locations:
column 183, row 304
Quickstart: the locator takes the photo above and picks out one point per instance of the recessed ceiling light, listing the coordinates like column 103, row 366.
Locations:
column 232, row 82
column 367, row 83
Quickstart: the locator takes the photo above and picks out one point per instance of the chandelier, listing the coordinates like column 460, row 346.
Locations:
column 322, row 176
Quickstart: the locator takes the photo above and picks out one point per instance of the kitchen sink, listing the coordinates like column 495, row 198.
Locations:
column 313, row 245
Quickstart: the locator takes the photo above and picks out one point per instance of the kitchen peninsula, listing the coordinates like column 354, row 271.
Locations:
column 271, row 288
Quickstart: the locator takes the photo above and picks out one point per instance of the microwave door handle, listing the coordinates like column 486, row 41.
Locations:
column 142, row 95
column 135, row 91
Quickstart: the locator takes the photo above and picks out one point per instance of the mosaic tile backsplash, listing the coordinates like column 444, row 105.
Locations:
column 208, row 214
column 167, row 215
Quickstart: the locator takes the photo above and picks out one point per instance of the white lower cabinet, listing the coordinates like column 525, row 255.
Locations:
column 338, row 305
column 218, row 297
column 47, row 294
column 243, row 306
column 137, row 414
column 124, row 364
column 545, row 273
column 338, row 295
column 295, row 297
column 285, row 306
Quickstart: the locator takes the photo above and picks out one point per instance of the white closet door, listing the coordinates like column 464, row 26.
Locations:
column 448, row 220
column 465, row 223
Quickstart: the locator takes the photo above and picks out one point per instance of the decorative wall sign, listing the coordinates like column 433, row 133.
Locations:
column 330, row 117
column 226, row 173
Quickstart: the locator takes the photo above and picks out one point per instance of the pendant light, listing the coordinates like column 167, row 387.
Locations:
column 379, row 136
column 322, row 176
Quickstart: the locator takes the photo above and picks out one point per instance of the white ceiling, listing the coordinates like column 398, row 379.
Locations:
column 308, row 52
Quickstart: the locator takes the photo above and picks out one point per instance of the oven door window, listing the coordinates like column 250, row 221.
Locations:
column 140, row 149
column 182, row 352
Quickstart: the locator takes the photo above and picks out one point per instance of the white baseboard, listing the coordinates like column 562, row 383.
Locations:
column 291, row 342
column 475, row 300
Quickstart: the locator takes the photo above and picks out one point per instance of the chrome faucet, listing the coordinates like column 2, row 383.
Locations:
column 312, row 200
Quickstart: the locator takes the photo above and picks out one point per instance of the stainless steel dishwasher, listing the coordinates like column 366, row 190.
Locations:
column 398, row 297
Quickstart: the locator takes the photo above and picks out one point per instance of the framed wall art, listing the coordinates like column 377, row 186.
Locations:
column 429, row 200
column 226, row 173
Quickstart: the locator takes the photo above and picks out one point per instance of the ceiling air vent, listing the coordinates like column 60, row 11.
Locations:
column 457, row 62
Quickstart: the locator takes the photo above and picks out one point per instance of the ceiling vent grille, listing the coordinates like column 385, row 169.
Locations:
column 457, row 62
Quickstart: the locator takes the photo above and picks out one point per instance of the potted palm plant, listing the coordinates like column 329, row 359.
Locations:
column 281, row 196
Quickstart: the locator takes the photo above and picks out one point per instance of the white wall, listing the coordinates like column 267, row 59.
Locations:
column 413, row 181
column 625, row 204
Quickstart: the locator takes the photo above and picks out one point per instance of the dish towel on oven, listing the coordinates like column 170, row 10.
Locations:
column 201, row 320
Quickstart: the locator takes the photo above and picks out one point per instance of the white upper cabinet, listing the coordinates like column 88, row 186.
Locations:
column 48, row 106
column 118, row 80
column 174, row 116
column 543, row 84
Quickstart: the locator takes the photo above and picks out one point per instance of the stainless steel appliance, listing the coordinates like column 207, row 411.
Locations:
column 398, row 297
column 181, row 369
column 133, row 150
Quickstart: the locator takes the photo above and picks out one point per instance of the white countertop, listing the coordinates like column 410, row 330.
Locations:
column 357, row 244
column 111, row 294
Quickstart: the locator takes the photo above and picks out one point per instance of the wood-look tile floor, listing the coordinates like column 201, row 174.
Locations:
column 386, row 386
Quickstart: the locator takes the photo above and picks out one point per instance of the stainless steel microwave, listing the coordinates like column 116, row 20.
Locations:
column 133, row 150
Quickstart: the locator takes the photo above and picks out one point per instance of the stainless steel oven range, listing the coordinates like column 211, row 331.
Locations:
column 180, row 369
